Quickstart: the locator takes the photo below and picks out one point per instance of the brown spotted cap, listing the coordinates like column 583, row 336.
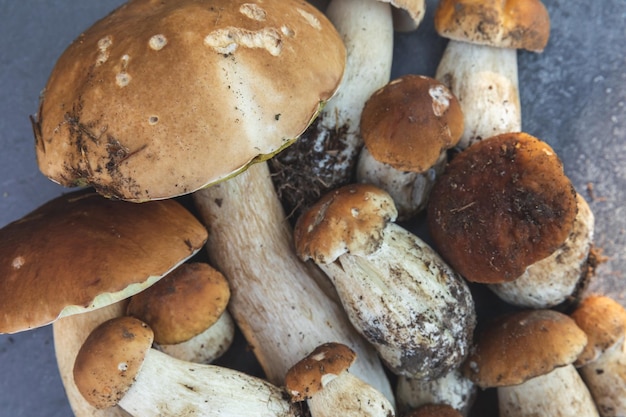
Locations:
column 159, row 99
column 110, row 359
column 500, row 206
column 348, row 219
column 82, row 251
column 410, row 121
column 521, row 24
column 309, row 376
column 183, row 304
column 523, row 345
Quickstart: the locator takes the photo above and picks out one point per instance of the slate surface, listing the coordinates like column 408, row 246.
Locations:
column 573, row 96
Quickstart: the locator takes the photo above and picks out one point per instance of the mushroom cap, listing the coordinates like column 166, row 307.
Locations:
column 520, row 24
column 604, row 322
column 348, row 219
column 522, row 345
column 312, row 373
column 183, row 304
column 434, row 410
column 110, row 358
column 82, row 251
column 408, row 14
column 159, row 99
column 500, row 206
column 410, row 121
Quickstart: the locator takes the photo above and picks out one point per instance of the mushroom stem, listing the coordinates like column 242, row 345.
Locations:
column 559, row 393
column 275, row 301
column 324, row 157
column 69, row 333
column 485, row 81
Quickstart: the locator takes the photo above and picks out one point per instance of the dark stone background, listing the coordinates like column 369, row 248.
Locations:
column 573, row 96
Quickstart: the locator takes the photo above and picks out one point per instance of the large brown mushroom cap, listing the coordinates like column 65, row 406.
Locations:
column 500, row 206
column 522, row 24
column 183, row 304
column 348, row 219
column 81, row 251
column 110, row 358
column 434, row 410
column 410, row 121
column 159, row 99
column 523, row 345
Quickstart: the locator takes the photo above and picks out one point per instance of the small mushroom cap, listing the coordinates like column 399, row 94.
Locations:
column 312, row 373
column 183, row 304
column 500, row 206
column 523, row 345
column 521, row 24
column 159, row 99
column 410, row 121
column 408, row 14
column 348, row 219
column 110, row 358
column 604, row 321
column 82, row 251
column 434, row 410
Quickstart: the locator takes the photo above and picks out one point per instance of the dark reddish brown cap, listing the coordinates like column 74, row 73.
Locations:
column 349, row 219
column 523, row 345
column 161, row 98
column 434, row 410
column 82, row 251
column 307, row 377
column 604, row 321
column 500, row 206
column 110, row 358
column 410, row 121
column 183, row 304
column 522, row 24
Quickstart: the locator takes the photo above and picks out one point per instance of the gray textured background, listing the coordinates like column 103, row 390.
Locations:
column 573, row 96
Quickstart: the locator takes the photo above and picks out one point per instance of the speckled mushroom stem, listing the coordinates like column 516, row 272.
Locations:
column 69, row 334
column 275, row 301
column 324, row 157
column 485, row 81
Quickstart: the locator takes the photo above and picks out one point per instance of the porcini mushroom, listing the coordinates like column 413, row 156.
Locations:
column 186, row 310
column 528, row 356
column 323, row 380
column 479, row 63
column 80, row 253
column 398, row 293
column 434, row 410
column 117, row 366
column 500, row 206
column 144, row 109
column 407, row 126
column 602, row 364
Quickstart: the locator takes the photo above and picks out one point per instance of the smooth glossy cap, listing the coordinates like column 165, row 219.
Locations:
column 500, row 206
column 410, row 121
column 523, row 345
column 312, row 373
column 109, row 360
column 604, row 321
column 159, row 99
column 183, row 304
column 82, row 251
column 521, row 24
column 349, row 219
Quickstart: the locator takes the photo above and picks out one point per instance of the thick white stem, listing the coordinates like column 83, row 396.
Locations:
column 606, row 379
column 206, row 346
column 559, row 393
column 70, row 333
column 275, row 300
column 406, row 301
column 554, row 279
column 484, row 80
column 168, row 387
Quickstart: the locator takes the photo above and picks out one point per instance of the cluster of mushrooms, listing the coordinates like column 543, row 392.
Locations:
column 310, row 255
